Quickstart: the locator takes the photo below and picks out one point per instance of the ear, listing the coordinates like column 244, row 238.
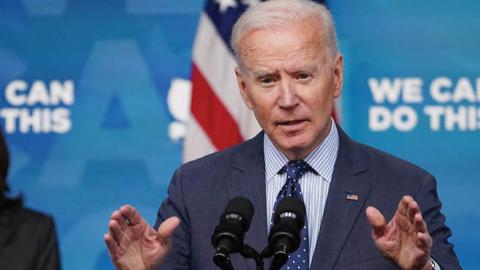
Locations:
column 242, row 86
column 338, row 74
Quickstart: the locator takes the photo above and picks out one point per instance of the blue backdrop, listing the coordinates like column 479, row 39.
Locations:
column 93, row 103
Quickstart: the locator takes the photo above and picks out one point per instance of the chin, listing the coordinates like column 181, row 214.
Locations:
column 294, row 144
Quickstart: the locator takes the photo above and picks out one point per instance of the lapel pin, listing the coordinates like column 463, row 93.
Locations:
column 352, row 197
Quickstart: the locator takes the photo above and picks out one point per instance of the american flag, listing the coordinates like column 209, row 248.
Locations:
column 219, row 118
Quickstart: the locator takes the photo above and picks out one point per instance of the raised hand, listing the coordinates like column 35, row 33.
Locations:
column 135, row 245
column 405, row 238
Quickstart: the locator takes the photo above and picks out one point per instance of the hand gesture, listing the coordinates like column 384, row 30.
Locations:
column 405, row 238
column 135, row 245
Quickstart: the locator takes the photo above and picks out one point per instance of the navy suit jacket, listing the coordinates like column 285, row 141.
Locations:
column 200, row 190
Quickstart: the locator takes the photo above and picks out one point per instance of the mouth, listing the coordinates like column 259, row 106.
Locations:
column 292, row 125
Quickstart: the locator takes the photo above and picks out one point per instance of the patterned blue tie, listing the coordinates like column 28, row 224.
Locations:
column 295, row 169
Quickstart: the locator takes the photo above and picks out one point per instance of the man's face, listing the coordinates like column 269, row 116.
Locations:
column 288, row 82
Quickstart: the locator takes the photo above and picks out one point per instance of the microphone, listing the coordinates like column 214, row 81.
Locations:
column 229, row 233
column 284, row 237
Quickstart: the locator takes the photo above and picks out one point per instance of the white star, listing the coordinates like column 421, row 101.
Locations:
column 250, row 2
column 225, row 4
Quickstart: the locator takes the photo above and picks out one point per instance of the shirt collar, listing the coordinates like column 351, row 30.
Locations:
column 321, row 159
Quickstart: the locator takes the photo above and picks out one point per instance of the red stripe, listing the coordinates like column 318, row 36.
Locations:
column 211, row 114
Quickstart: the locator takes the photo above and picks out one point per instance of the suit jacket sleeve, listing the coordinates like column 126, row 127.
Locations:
column 442, row 251
column 48, row 257
column 174, row 205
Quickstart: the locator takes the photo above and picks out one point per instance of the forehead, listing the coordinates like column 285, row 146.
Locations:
column 295, row 43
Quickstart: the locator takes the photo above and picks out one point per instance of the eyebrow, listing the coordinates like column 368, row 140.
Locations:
column 306, row 67
column 312, row 68
column 262, row 72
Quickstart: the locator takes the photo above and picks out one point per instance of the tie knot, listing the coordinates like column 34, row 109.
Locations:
column 296, row 168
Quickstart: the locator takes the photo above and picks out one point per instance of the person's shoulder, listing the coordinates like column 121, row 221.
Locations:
column 227, row 156
column 28, row 221
column 392, row 160
column 389, row 164
column 31, row 216
column 213, row 169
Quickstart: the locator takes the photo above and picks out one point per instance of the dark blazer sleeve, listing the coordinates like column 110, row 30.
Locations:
column 174, row 205
column 48, row 257
column 30, row 240
column 427, row 197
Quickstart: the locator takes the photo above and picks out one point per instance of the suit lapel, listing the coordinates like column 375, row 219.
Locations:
column 249, row 181
column 349, row 177
column 340, row 212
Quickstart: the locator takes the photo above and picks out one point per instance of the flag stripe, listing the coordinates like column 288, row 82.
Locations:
column 211, row 114
column 224, row 21
column 218, row 68
column 197, row 143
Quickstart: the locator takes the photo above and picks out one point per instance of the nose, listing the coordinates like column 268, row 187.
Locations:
column 288, row 98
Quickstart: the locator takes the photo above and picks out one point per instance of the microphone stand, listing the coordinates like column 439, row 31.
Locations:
column 249, row 252
column 223, row 260
column 268, row 252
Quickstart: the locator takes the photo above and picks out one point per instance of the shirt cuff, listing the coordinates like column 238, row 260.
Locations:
column 435, row 264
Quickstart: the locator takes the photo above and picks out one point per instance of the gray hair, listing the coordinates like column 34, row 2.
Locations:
column 274, row 12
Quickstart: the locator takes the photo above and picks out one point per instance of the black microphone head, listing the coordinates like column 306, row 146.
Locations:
column 228, row 235
column 284, row 237
column 290, row 207
column 239, row 209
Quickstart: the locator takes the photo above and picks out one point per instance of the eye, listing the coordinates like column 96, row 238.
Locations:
column 267, row 80
column 302, row 76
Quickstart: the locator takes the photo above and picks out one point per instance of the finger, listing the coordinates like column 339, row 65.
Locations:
column 167, row 227
column 413, row 209
column 130, row 215
column 419, row 223
column 111, row 244
column 377, row 221
column 117, row 216
column 115, row 230
column 424, row 241
column 404, row 217
column 403, row 205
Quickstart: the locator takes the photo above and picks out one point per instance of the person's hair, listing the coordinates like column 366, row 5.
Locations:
column 5, row 201
column 4, row 163
column 276, row 12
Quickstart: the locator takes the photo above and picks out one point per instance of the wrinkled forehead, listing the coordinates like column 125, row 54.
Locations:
column 294, row 43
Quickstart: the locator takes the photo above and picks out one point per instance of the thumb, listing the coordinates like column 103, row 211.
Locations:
column 377, row 221
column 166, row 229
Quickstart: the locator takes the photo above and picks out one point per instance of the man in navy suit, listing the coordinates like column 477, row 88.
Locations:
column 289, row 73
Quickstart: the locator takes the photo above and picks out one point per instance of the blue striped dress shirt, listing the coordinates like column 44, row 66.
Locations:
column 314, row 185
